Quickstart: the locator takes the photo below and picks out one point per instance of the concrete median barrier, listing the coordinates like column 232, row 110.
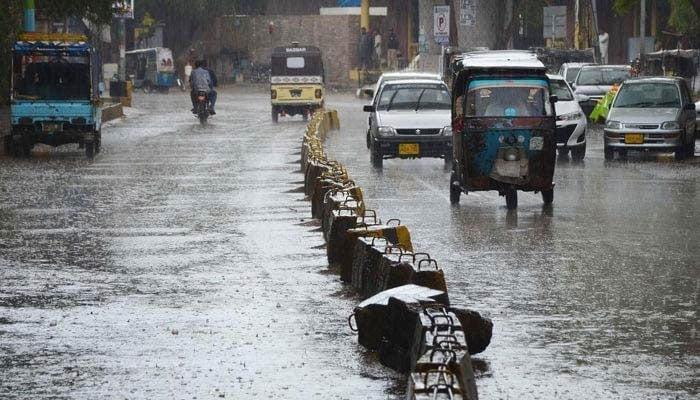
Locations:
column 406, row 316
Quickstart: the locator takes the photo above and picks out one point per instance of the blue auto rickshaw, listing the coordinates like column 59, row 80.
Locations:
column 503, row 126
column 54, row 97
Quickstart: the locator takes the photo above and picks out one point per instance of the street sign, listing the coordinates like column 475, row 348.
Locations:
column 467, row 12
column 123, row 9
column 441, row 27
column 554, row 22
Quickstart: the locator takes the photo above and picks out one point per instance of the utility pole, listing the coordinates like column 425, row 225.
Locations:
column 364, row 14
column 577, row 26
column 122, row 48
column 29, row 16
column 642, row 27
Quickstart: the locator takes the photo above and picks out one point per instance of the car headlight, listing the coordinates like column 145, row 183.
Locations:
column 570, row 116
column 447, row 131
column 670, row 125
column 386, row 131
column 613, row 125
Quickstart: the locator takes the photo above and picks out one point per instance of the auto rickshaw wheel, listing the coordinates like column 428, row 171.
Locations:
column 548, row 196
column 275, row 115
column 511, row 199
column 578, row 153
column 98, row 141
column 455, row 190
column 90, row 149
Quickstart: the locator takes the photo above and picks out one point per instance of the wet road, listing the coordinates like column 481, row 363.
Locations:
column 181, row 263
column 596, row 298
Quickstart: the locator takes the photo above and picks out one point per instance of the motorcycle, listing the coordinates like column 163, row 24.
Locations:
column 201, row 107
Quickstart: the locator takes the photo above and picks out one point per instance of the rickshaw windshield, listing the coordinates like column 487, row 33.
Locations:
column 296, row 65
column 54, row 77
column 511, row 97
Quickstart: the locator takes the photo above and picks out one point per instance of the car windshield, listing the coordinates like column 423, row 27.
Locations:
column 508, row 98
column 648, row 95
column 414, row 97
column 41, row 77
column 602, row 76
column 571, row 73
column 561, row 90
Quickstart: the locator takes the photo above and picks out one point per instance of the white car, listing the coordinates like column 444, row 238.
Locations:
column 571, row 121
column 372, row 91
column 410, row 119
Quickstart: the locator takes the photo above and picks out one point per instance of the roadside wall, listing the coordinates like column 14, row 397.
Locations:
column 336, row 36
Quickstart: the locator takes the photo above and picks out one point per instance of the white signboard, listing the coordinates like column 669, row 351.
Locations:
column 441, row 27
column 554, row 22
column 467, row 12
column 123, row 9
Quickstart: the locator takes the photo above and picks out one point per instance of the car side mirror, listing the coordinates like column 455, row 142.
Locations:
column 553, row 98
column 369, row 108
column 690, row 107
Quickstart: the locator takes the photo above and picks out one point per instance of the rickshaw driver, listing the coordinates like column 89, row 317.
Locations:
column 507, row 102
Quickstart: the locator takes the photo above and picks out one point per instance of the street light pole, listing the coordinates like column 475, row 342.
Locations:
column 642, row 27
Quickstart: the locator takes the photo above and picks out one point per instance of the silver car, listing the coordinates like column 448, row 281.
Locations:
column 595, row 81
column 569, row 70
column 651, row 114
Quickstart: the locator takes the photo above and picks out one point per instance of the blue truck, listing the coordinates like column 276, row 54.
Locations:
column 54, row 96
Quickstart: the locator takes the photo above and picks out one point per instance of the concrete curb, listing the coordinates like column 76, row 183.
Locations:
column 413, row 333
column 111, row 112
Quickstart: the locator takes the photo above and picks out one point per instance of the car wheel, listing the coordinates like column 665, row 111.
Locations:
column 564, row 152
column 578, row 153
column 691, row 148
column 608, row 153
column 681, row 152
column 369, row 140
column 90, row 149
column 511, row 199
column 376, row 155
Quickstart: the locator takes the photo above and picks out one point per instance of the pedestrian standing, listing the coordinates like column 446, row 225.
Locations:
column 188, row 72
column 366, row 47
column 603, row 41
column 378, row 48
column 392, row 50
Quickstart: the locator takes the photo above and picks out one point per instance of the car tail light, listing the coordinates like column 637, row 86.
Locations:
column 273, row 94
column 318, row 93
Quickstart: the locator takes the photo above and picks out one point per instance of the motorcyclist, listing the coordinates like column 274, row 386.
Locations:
column 200, row 81
column 214, row 83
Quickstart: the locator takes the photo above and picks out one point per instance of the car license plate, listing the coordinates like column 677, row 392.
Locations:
column 409, row 149
column 634, row 138
column 49, row 127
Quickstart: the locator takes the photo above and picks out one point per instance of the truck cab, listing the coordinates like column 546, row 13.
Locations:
column 54, row 96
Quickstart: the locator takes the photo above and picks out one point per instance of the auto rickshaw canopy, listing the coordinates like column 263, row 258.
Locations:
column 296, row 60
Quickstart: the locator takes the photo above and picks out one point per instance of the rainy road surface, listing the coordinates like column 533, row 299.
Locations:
column 181, row 263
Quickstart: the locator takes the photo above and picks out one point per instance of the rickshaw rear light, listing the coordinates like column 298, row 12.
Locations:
column 273, row 94
column 319, row 94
